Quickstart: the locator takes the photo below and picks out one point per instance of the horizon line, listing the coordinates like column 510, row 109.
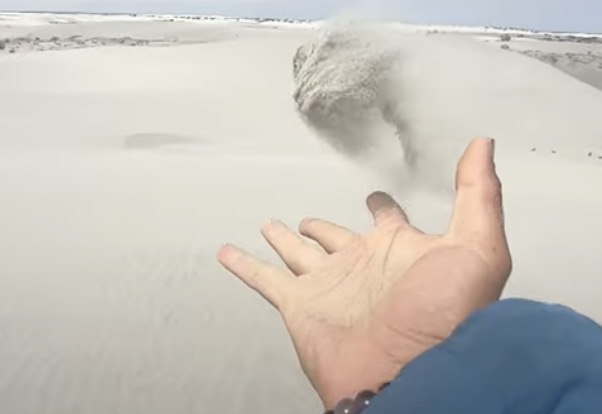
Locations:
column 285, row 19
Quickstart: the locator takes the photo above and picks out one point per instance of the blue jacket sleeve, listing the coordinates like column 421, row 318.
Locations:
column 514, row 357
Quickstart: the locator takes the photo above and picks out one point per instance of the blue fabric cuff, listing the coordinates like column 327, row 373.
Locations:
column 515, row 357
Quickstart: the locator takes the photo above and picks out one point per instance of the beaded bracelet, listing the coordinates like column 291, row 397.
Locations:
column 357, row 405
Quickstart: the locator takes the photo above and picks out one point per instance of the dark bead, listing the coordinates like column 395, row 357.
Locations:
column 365, row 395
column 362, row 401
column 344, row 407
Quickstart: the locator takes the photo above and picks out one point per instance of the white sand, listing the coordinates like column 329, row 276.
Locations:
column 122, row 169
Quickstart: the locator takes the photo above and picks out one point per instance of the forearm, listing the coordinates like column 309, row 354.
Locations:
column 513, row 357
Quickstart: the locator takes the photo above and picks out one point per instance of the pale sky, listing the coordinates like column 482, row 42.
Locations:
column 558, row 15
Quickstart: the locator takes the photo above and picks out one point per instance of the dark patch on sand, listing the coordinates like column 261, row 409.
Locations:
column 149, row 141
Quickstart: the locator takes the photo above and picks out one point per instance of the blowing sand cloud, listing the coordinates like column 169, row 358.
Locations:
column 349, row 90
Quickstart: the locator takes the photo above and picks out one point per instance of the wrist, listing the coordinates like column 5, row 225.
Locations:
column 348, row 391
column 372, row 367
column 367, row 370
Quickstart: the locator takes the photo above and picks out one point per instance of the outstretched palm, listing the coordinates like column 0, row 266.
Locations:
column 363, row 306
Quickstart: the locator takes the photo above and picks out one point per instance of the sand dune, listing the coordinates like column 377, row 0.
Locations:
column 578, row 56
column 123, row 168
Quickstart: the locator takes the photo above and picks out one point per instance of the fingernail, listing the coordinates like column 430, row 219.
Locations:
column 270, row 224
column 221, row 250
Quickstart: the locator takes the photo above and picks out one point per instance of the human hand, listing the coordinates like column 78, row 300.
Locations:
column 363, row 306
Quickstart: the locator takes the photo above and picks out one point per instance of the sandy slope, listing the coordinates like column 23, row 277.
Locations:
column 580, row 57
column 122, row 169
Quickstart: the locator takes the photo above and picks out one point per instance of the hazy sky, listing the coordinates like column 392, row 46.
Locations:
column 560, row 15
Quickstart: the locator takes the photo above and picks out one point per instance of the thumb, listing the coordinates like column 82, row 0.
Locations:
column 478, row 212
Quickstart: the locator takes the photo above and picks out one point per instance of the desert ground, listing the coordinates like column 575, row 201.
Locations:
column 132, row 147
